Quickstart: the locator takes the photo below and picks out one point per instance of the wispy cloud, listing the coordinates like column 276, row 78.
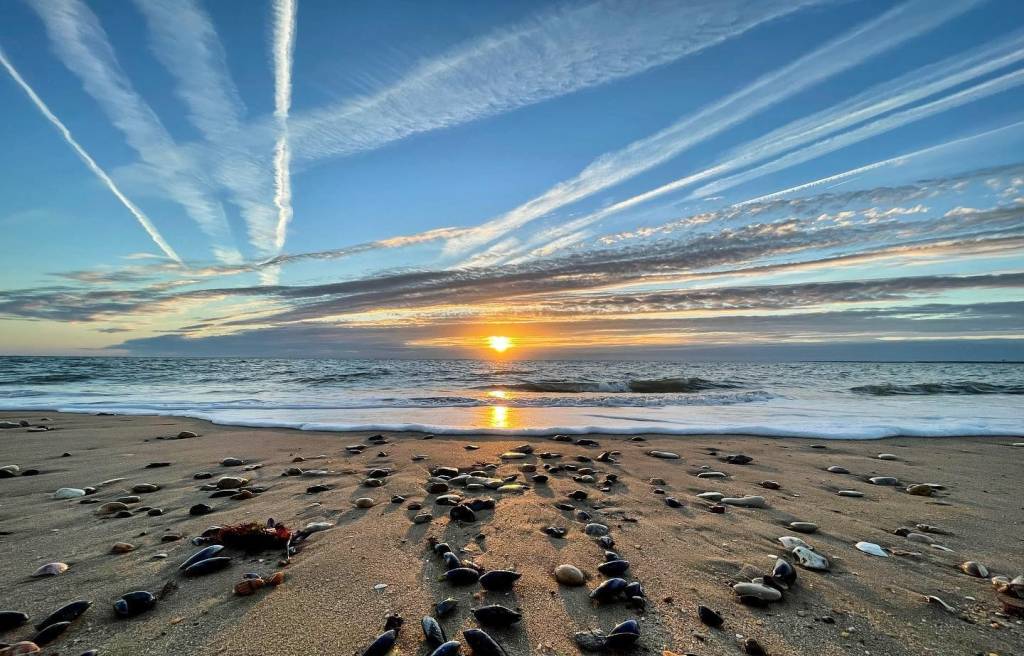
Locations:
column 139, row 215
column 856, row 46
column 81, row 43
column 284, row 49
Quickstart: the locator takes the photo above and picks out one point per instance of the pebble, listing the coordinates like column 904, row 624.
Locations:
column 974, row 568
column 711, row 474
column 872, row 549
column 770, row 485
column 200, row 509
column 665, row 455
column 51, row 569
column 836, row 469
column 232, row 462
column 887, row 456
column 243, row 495
column 803, row 527
column 68, row 493
column 884, row 480
column 143, row 488
column 746, row 501
column 709, row 617
column 122, row 548
column 202, row 475
column 850, row 493
column 364, row 502
column 422, row 518
column 757, row 591
column 570, row 575
column 673, row 502
column 231, row 482
column 596, row 530
column 157, row 465
column 921, row 490
column 711, row 496
column 184, row 435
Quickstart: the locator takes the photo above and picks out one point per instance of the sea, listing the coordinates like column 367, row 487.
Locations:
column 820, row 400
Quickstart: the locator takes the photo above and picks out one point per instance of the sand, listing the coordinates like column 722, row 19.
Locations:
column 684, row 557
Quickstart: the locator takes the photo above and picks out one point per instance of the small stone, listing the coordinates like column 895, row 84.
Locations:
column 232, row 462
column 921, row 490
column 836, row 469
column 50, row 569
column 673, row 502
column 850, row 493
column 570, row 575
column 202, row 475
column 422, row 518
column 746, row 502
column 68, row 493
column 757, row 591
column 887, row 456
column 711, row 474
column 111, row 507
column 155, row 512
column 184, row 435
column 144, row 488
column 974, row 568
column 804, row 527
column 364, row 502
column 231, row 482
column 157, row 465
column 200, row 509
column 122, row 548
column 664, row 455
column 754, row 648
column 243, row 495
column 709, row 617
column 884, row 480
column 770, row 485
column 596, row 530
column 171, row 537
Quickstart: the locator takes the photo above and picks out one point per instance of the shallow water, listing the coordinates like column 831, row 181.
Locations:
column 855, row 400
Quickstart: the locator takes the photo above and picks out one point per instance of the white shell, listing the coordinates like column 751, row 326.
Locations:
column 792, row 542
column 68, row 493
column 810, row 559
column 746, row 502
column 872, row 548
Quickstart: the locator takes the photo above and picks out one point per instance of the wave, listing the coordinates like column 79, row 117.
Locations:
column 331, row 379
column 49, row 379
column 656, row 386
column 928, row 389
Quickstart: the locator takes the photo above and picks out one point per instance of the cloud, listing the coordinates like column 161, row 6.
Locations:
column 98, row 171
column 81, row 43
column 284, row 49
column 854, row 47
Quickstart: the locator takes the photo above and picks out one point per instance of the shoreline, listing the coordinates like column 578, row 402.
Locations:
column 330, row 601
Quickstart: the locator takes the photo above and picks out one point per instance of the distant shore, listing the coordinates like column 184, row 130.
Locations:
column 332, row 600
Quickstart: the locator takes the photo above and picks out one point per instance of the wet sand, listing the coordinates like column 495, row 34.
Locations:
column 685, row 556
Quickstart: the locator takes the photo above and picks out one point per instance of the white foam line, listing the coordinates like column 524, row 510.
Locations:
column 284, row 49
column 143, row 220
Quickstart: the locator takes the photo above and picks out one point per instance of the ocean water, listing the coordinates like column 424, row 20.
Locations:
column 824, row 400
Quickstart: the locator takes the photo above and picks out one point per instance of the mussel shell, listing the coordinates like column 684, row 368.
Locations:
column 613, row 567
column 50, row 633
column 480, row 504
column 207, row 566
column 608, row 590
column 462, row 576
column 634, row 589
column 202, row 554
column 499, row 579
column 382, row 645
column 482, row 644
column 621, row 641
column 462, row 514
column 629, row 626
column 784, row 573
column 393, row 621
column 451, row 561
column 66, row 613
column 433, row 633
column 442, row 548
column 445, row 606
column 495, row 615
column 591, row 640
column 447, row 649
column 709, row 617
column 11, row 619
column 133, row 603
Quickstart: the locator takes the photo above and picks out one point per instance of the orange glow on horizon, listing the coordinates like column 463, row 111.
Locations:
column 499, row 343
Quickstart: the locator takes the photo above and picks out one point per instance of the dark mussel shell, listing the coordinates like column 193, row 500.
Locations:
column 613, row 567
column 393, row 621
column 451, row 561
column 629, row 626
column 445, row 606
column 482, row 644
column 621, row 641
column 611, row 555
column 462, row 576
column 382, row 645
column 50, row 633
column 433, row 633
column 134, row 603
column 499, row 579
column 496, row 615
column 555, row 531
column 66, row 613
column 11, row 619
column 207, row 566
column 709, row 617
column 591, row 640
column 462, row 514
column 784, row 573
column 634, row 589
column 202, row 554
column 608, row 590
column 447, row 649
column 606, row 541
column 485, row 503
column 442, row 548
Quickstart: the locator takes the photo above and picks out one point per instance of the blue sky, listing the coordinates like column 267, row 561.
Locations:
column 590, row 178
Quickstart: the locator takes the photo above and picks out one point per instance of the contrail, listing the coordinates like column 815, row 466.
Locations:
column 284, row 50
column 147, row 225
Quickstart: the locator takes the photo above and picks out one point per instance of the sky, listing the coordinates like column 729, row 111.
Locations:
column 734, row 179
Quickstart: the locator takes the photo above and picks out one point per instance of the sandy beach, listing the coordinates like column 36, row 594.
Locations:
column 342, row 582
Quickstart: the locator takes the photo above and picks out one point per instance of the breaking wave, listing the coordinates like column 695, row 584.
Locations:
column 656, row 386
column 928, row 389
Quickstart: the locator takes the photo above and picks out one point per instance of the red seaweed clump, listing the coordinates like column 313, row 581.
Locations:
column 253, row 537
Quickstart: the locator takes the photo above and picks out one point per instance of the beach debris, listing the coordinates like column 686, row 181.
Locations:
column 836, row 469
column 50, row 569
column 770, row 485
column 253, row 537
column 12, row 619
column 921, row 490
column 232, row 462
column 887, row 456
column 122, row 548
column 248, row 586
column 570, row 575
column 20, row 649
column 482, row 644
column 850, row 493
column 496, row 615
column 974, row 568
column 499, row 579
column 200, row 509
column 433, row 633
column 134, row 603
column 382, row 644
column 803, row 527
column 664, row 455
column 932, row 599
column 68, row 493
column 884, row 480
column 872, row 549
column 50, row 633
column 207, row 566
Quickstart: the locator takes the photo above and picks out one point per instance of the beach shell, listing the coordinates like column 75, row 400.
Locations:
column 202, row 554
column 591, row 640
column 382, row 645
column 570, row 575
column 232, row 462
column 433, row 633
column 613, row 567
column 50, row 633
column 449, row 648
column 791, row 542
column 921, row 490
column 872, row 549
column 803, row 527
column 51, row 569
column 364, row 502
column 111, row 507
column 709, row 617
column 134, row 603
column 836, row 469
column 884, row 480
column 21, row 648
column 499, row 579
column 231, row 482
column 247, row 586
column 770, row 485
column 9, row 471
column 68, row 493
column 495, row 615
column 714, row 497
column 664, row 455
column 462, row 514
column 445, row 606
column 482, row 644
column 12, row 619
column 207, row 566
column 462, row 576
column 200, row 509
column 850, row 493
column 887, row 456
column 974, row 568
column 783, row 573
column 756, row 591
column 608, row 590
column 810, row 559
column 746, row 502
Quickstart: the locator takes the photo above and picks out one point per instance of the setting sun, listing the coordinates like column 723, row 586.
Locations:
column 499, row 343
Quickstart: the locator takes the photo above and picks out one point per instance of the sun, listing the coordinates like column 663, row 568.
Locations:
column 499, row 343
